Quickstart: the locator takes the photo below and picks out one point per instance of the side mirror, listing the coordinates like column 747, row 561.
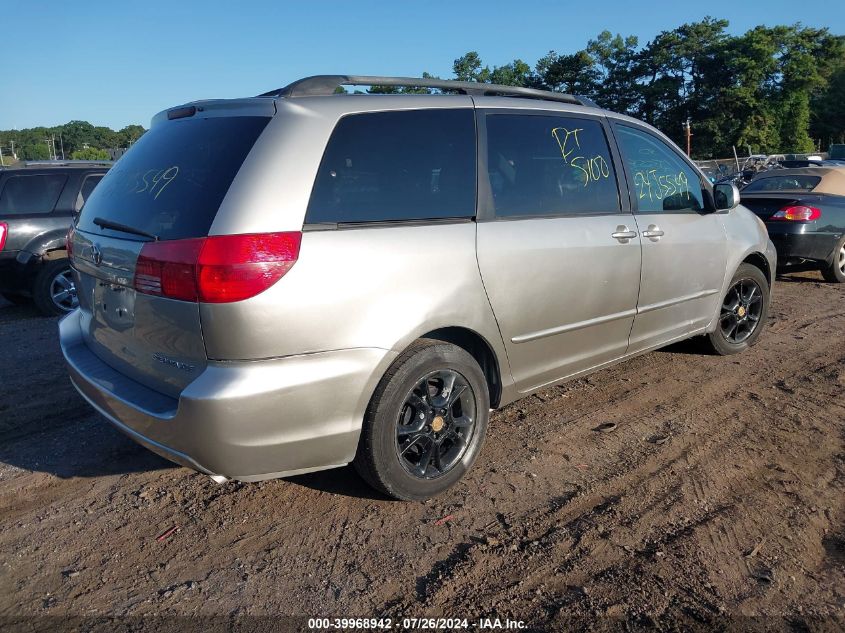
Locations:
column 726, row 196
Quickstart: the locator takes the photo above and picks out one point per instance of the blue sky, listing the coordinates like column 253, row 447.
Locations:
column 119, row 62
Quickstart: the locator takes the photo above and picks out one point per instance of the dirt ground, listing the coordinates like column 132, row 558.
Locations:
column 717, row 503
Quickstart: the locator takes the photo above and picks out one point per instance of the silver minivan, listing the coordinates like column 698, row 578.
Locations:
column 296, row 281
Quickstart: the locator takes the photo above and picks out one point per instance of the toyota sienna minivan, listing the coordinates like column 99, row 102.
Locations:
column 292, row 282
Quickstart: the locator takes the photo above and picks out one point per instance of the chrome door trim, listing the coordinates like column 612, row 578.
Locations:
column 533, row 336
column 672, row 302
column 611, row 363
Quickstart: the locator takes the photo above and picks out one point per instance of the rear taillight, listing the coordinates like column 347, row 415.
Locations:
column 169, row 269
column 797, row 213
column 236, row 267
column 4, row 231
column 69, row 241
column 216, row 269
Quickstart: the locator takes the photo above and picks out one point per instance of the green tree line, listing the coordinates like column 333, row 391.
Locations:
column 771, row 89
column 79, row 139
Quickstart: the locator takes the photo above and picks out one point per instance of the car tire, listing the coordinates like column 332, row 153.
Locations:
column 415, row 444
column 743, row 312
column 835, row 272
column 18, row 300
column 46, row 291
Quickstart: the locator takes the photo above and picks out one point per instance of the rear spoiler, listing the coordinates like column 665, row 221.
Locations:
column 253, row 106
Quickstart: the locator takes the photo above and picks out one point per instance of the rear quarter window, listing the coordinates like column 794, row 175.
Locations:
column 31, row 194
column 393, row 166
column 172, row 181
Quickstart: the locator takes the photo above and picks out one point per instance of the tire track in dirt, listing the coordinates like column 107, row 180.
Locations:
column 704, row 492
column 556, row 522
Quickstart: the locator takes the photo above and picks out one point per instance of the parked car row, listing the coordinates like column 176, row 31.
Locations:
column 38, row 201
column 300, row 280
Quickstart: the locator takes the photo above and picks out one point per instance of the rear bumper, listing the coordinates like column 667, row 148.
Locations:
column 245, row 420
column 795, row 244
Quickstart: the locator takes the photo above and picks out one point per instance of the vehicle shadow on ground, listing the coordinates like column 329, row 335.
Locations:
column 92, row 448
column 338, row 481
column 694, row 346
column 801, row 277
column 89, row 448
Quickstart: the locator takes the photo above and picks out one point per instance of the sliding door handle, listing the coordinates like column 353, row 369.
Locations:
column 623, row 234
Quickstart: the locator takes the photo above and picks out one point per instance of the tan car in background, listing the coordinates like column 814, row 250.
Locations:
column 804, row 212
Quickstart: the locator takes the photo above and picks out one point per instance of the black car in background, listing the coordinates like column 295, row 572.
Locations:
column 37, row 203
column 804, row 211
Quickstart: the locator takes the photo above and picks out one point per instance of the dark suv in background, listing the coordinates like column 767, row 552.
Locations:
column 37, row 203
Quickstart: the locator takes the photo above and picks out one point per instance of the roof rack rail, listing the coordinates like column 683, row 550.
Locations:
column 324, row 85
column 66, row 163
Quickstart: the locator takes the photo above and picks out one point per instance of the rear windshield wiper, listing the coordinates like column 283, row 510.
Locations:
column 117, row 226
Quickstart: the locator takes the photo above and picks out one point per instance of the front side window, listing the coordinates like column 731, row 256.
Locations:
column 662, row 181
column 549, row 165
column 394, row 166
column 23, row 195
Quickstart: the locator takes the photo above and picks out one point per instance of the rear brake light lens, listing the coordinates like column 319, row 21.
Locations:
column 168, row 269
column 216, row 269
column 237, row 267
column 797, row 213
column 4, row 231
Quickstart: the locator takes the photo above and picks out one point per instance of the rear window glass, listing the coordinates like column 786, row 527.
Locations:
column 784, row 183
column 409, row 165
column 31, row 194
column 172, row 181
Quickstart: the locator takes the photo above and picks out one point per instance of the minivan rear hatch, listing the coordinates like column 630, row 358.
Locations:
column 165, row 190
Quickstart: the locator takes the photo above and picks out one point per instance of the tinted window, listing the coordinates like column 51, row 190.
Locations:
column 784, row 183
column 549, row 165
column 171, row 182
column 31, row 194
column 85, row 191
column 416, row 164
column 662, row 180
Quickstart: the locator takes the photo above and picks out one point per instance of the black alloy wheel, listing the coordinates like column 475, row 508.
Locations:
column 426, row 421
column 741, row 311
column 435, row 424
column 835, row 271
column 54, row 290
